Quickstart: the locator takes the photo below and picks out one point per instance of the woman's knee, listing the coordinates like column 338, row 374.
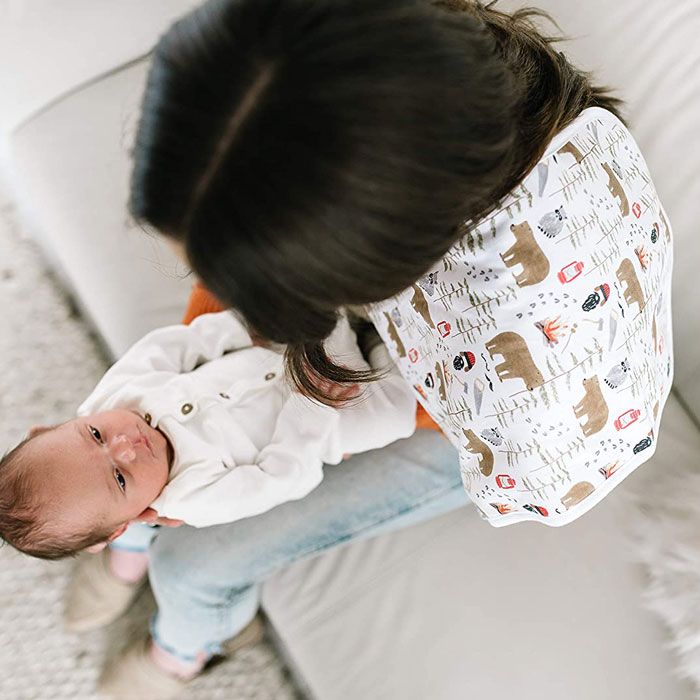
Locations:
column 195, row 564
column 176, row 564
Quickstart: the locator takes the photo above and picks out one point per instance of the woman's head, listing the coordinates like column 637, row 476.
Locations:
column 313, row 154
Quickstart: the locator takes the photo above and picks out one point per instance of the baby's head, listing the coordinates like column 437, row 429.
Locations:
column 78, row 485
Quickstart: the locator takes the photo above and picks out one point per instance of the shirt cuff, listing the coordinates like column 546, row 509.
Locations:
column 379, row 357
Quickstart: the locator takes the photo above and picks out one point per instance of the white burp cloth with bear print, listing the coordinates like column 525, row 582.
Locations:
column 541, row 343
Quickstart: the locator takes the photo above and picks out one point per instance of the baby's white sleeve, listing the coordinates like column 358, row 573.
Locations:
column 174, row 350
column 385, row 411
column 285, row 470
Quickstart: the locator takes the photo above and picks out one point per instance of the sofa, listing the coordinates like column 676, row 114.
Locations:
column 451, row 608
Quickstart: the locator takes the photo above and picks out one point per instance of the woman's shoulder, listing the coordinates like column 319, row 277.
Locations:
column 592, row 120
column 595, row 137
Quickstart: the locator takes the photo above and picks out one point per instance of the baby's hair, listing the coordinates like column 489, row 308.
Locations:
column 23, row 517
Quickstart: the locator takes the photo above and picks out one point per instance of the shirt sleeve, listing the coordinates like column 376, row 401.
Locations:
column 385, row 411
column 171, row 350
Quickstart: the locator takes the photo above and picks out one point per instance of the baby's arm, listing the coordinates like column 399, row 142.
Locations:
column 287, row 469
column 181, row 348
column 174, row 350
column 386, row 409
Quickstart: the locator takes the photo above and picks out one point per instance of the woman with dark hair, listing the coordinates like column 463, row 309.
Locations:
column 440, row 169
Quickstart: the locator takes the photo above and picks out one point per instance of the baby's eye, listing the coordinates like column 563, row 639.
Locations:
column 120, row 480
column 96, row 434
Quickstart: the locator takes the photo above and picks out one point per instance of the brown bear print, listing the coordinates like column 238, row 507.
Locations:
column 577, row 493
column 394, row 335
column 420, row 304
column 517, row 360
column 632, row 289
column 592, row 406
column 615, row 189
column 569, row 148
column 478, row 447
column 442, row 392
column 526, row 252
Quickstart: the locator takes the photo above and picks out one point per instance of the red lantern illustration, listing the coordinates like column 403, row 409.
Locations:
column 570, row 272
column 444, row 328
column 505, row 481
column 627, row 418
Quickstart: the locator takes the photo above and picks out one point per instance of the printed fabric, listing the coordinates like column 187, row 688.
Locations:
column 541, row 342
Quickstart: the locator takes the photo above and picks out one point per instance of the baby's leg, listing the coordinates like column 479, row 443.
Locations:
column 128, row 554
column 104, row 585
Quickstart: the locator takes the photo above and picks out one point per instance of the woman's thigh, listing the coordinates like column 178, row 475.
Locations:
column 402, row 484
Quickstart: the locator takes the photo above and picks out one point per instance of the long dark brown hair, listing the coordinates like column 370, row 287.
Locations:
column 316, row 154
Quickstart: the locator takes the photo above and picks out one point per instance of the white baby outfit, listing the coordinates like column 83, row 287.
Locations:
column 244, row 442
column 541, row 343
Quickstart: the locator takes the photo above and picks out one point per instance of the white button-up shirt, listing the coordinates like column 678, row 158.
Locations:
column 244, row 442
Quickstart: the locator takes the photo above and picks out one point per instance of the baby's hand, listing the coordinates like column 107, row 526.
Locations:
column 337, row 392
column 151, row 517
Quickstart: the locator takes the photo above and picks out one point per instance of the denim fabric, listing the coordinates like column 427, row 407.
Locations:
column 137, row 538
column 207, row 581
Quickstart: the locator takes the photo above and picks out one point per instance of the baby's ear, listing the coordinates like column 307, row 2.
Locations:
column 95, row 548
column 39, row 429
column 117, row 533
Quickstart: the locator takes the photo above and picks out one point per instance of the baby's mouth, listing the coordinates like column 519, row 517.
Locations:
column 147, row 443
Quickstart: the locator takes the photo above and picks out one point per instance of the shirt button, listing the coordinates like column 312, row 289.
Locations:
column 186, row 408
column 148, row 418
column 224, row 396
column 270, row 375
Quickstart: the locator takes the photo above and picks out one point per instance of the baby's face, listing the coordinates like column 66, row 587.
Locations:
column 105, row 468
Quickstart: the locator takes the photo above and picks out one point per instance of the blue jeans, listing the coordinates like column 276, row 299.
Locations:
column 207, row 581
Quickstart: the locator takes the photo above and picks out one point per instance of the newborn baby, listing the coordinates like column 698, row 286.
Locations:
column 194, row 424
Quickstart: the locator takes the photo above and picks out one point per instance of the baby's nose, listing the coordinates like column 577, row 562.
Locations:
column 121, row 449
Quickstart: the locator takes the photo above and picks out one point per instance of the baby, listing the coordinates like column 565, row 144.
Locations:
column 193, row 424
